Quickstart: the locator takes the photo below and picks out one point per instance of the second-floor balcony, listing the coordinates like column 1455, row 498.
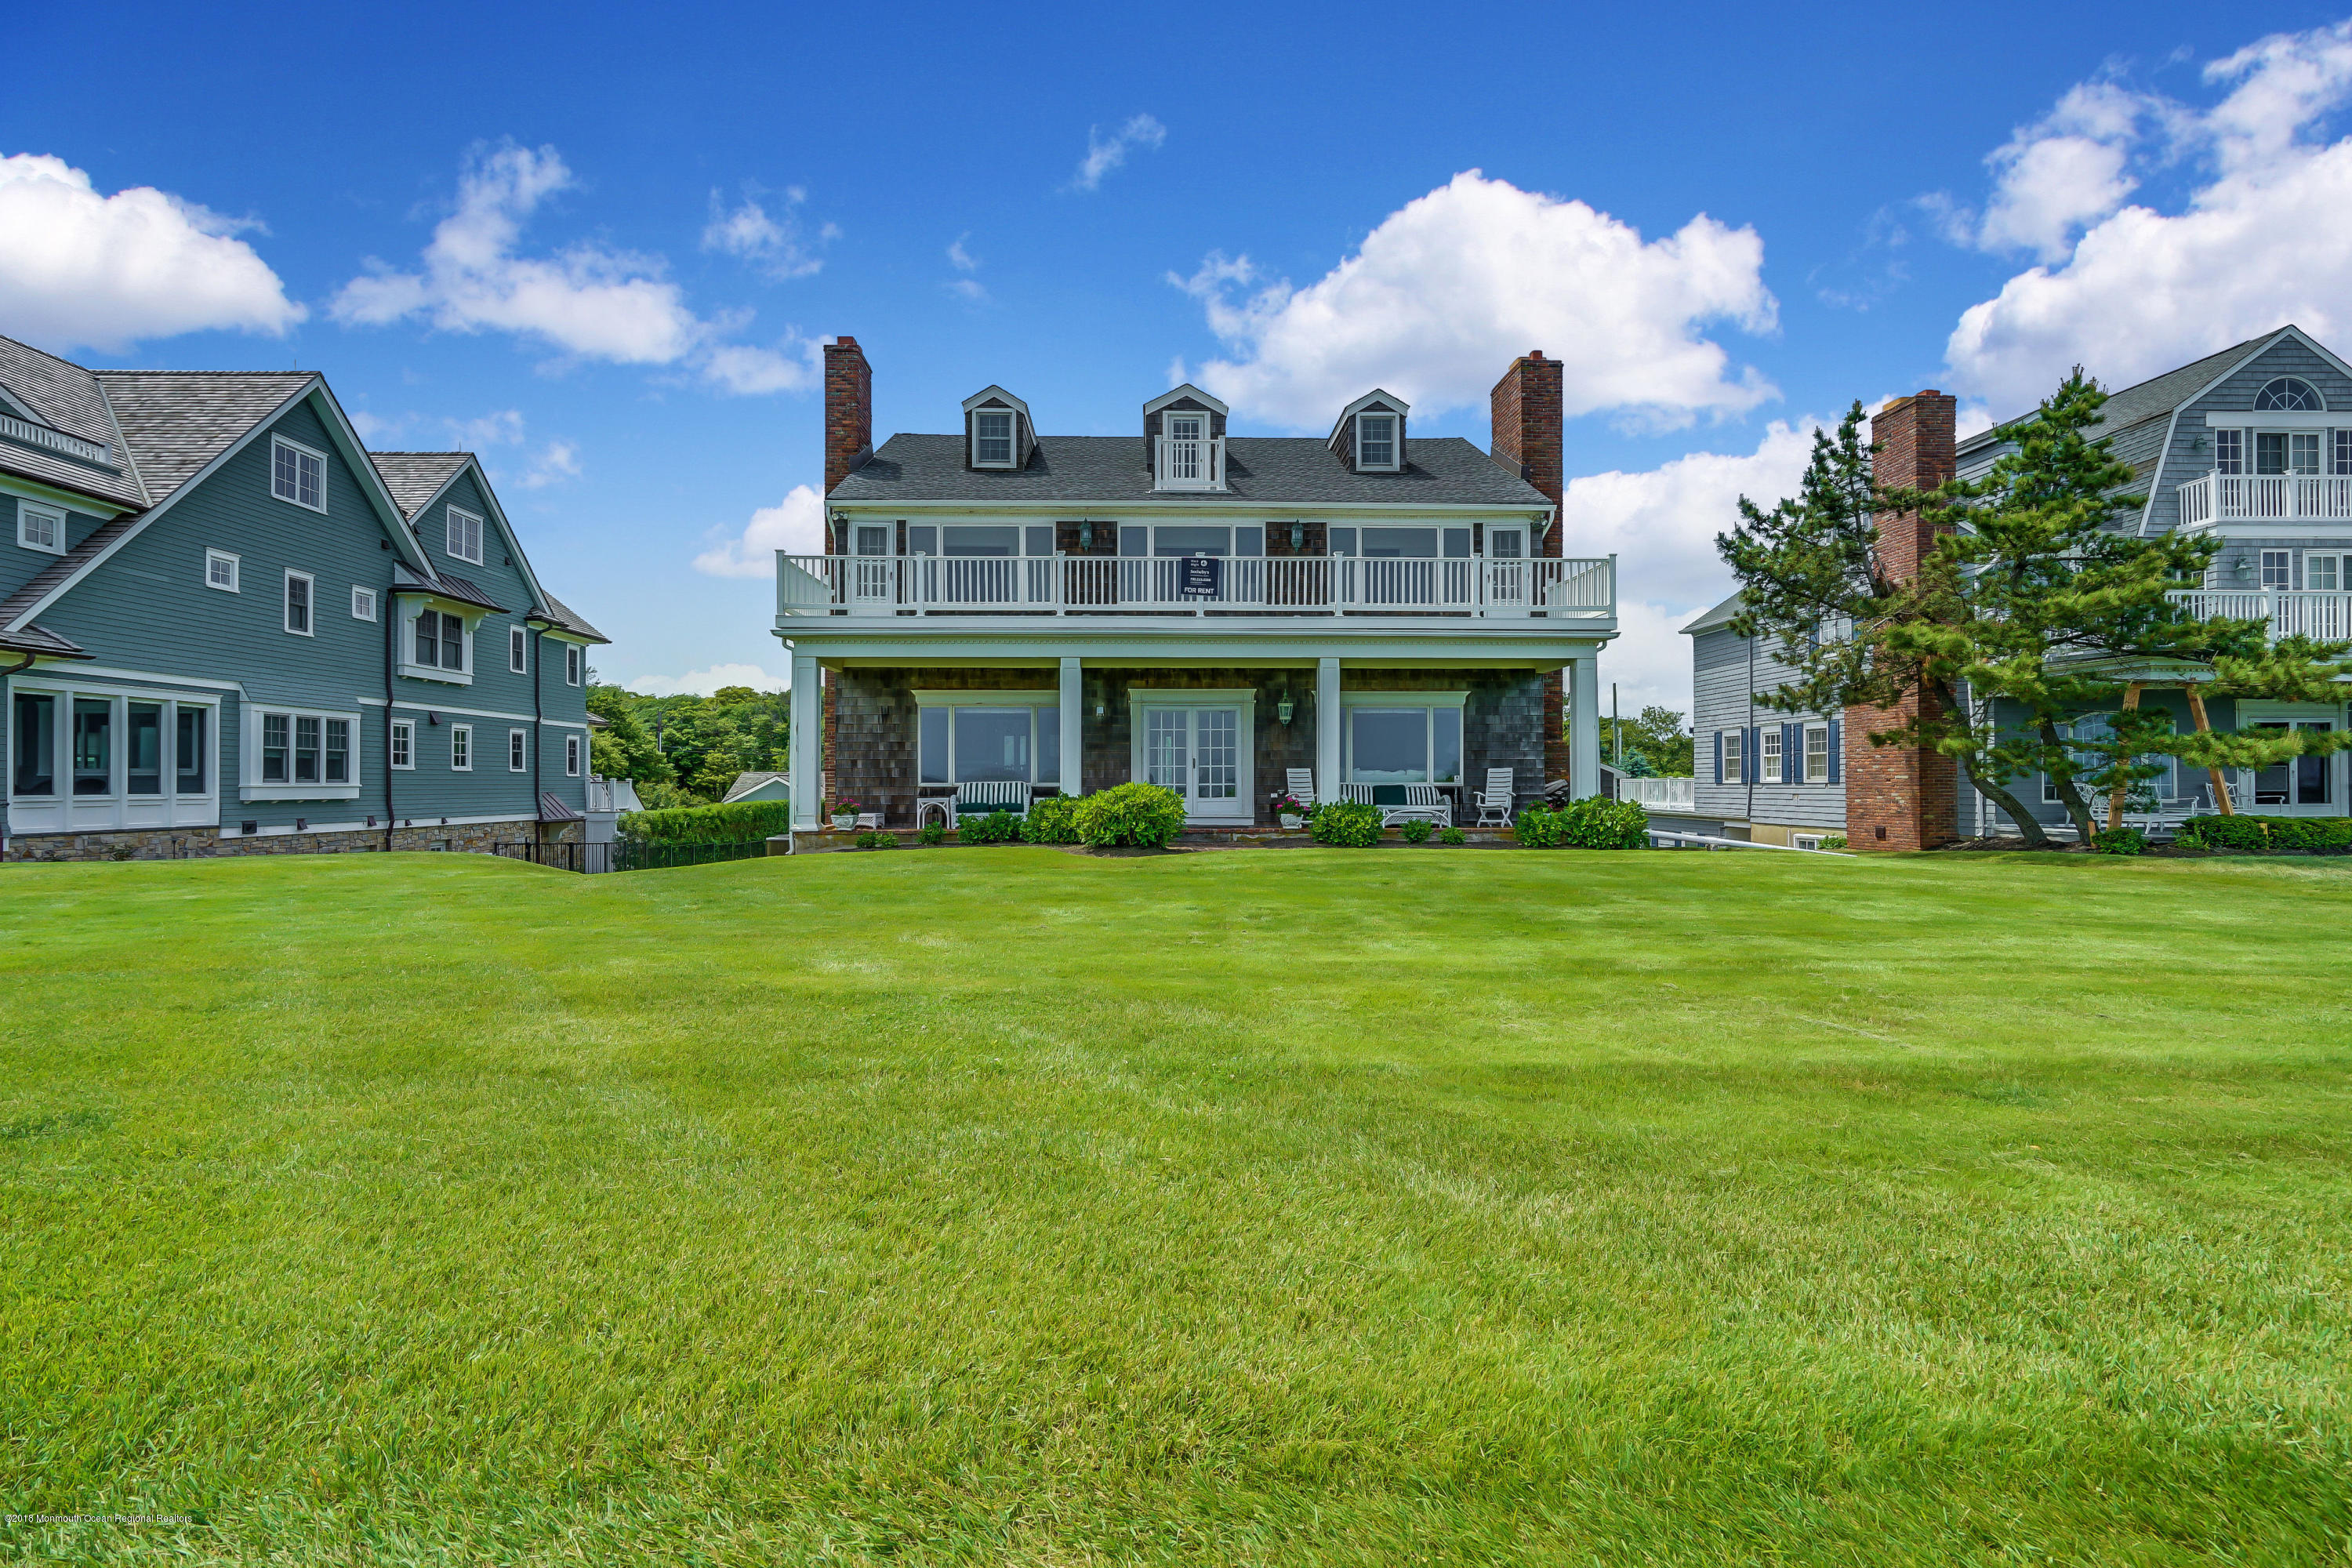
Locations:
column 1199, row 585
column 2328, row 616
column 2213, row 499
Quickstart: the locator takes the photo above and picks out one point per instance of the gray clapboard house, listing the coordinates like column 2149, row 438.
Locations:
column 224, row 625
column 2251, row 446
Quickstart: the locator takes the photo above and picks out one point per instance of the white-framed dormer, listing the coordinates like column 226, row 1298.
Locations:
column 998, row 432
column 1186, row 430
column 462, row 535
column 1371, row 432
column 298, row 474
column 41, row 528
column 437, row 638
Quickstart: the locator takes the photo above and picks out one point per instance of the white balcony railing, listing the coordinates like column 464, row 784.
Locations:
column 2265, row 498
column 1192, row 463
column 1658, row 794
column 34, row 435
column 2328, row 616
column 1095, row 585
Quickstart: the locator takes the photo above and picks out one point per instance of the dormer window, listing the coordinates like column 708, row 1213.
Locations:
column 1369, row 435
column 1376, row 444
column 992, row 440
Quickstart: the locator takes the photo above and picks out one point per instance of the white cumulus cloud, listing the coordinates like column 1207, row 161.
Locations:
column 557, row 461
column 703, row 682
column 771, row 241
column 795, row 524
column 1448, row 290
column 80, row 269
column 1106, row 153
column 2264, row 236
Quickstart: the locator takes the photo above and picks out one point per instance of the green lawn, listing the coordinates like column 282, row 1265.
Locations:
column 1301, row 1207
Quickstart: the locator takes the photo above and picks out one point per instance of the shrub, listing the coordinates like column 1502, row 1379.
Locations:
column 996, row 827
column 737, row 823
column 1417, row 831
column 2267, row 835
column 934, row 833
column 1344, row 825
column 1835, row 841
column 1142, row 815
column 1051, row 819
column 1453, row 835
column 2119, row 841
column 1594, row 823
column 877, row 840
column 1538, row 827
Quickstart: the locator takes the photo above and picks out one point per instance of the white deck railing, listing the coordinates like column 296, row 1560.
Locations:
column 2265, row 498
column 2328, row 616
column 1080, row 585
column 1195, row 463
column 1659, row 795
column 56, row 441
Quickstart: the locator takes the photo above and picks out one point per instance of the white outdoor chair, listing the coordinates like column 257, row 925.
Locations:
column 980, row 799
column 1302, row 786
column 1496, row 799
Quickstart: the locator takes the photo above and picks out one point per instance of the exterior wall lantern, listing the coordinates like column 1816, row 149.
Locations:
column 1282, row 710
column 1086, row 537
column 1297, row 543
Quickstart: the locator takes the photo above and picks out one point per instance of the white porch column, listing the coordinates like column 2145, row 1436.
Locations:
column 1584, row 727
column 807, row 742
column 1074, row 755
column 1327, row 730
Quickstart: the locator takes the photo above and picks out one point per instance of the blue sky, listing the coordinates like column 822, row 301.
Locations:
column 599, row 243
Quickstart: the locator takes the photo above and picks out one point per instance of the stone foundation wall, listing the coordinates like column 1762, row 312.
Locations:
column 205, row 843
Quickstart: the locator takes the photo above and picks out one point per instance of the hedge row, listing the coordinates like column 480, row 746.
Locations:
column 1592, row 822
column 2260, row 835
column 738, row 823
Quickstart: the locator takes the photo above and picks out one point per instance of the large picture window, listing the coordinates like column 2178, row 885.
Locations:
column 1392, row 743
column 137, row 750
column 987, row 742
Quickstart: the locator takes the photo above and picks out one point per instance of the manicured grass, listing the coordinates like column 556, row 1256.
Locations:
column 1300, row 1208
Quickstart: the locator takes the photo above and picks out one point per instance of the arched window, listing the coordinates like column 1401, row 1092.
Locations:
column 2288, row 395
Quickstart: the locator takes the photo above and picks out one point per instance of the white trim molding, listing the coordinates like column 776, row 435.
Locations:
column 250, row 725
column 1141, row 699
column 54, row 516
column 63, row 810
column 278, row 471
column 236, row 568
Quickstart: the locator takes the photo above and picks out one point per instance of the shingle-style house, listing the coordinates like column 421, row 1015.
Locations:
column 1007, row 608
column 2252, row 446
column 225, row 626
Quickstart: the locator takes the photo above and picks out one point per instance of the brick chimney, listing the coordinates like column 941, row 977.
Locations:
column 1904, row 797
column 1526, row 437
column 848, row 417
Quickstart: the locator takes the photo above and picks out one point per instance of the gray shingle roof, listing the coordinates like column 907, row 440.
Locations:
column 176, row 421
column 1714, row 618
column 1442, row 470
column 570, row 619
column 416, row 478
column 39, row 639
column 64, row 396
column 2158, row 395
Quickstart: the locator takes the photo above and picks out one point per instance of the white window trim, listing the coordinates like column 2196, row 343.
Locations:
column 1805, row 768
column 470, row 618
column 368, row 597
column 481, row 536
column 25, row 511
column 1735, row 756
column 2303, row 381
column 1013, row 425
column 117, row 809
column 576, row 664
column 518, row 651
column 571, row 744
column 518, row 750
column 311, row 452
column 403, row 729
column 309, row 603
column 2311, row 555
column 1351, row 700
column 1396, row 446
column 235, row 572
column 468, row 732
column 248, row 727
column 1771, row 767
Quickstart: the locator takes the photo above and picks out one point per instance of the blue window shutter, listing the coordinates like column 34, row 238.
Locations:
column 1793, row 754
column 1719, row 756
column 1837, row 753
column 1752, row 757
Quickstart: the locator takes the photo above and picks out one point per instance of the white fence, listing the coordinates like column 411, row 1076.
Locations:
column 1312, row 585
column 1658, row 794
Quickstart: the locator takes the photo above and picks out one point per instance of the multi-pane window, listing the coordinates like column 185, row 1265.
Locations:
column 220, row 571
column 306, row 750
column 1767, row 765
column 1817, row 753
column 2287, row 395
column 276, row 746
column 2229, row 451
column 2286, row 451
column 516, row 642
column 572, row 755
column 441, row 640
column 298, row 474
column 1734, row 757
column 461, row 747
column 574, row 662
column 1376, row 440
column 2322, row 573
column 339, row 750
column 363, row 604
column 2278, row 569
column 2340, row 459
column 404, row 743
column 992, row 440
column 298, row 602
column 464, row 536
column 516, row 761
column 38, row 528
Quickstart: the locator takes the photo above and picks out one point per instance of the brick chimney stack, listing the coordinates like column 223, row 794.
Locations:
column 1526, row 437
column 1904, row 797
column 848, row 417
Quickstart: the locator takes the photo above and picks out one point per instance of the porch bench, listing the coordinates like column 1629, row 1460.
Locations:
column 1405, row 803
column 983, row 797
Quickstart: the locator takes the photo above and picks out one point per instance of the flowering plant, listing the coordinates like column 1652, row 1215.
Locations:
column 1288, row 804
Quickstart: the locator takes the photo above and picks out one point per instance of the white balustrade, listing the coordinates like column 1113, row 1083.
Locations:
column 1191, row 463
column 1658, row 794
column 1266, row 585
column 25, row 430
column 2265, row 498
column 2328, row 616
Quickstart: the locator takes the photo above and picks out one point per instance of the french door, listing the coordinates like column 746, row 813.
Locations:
column 1201, row 753
column 873, row 570
column 2299, row 780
